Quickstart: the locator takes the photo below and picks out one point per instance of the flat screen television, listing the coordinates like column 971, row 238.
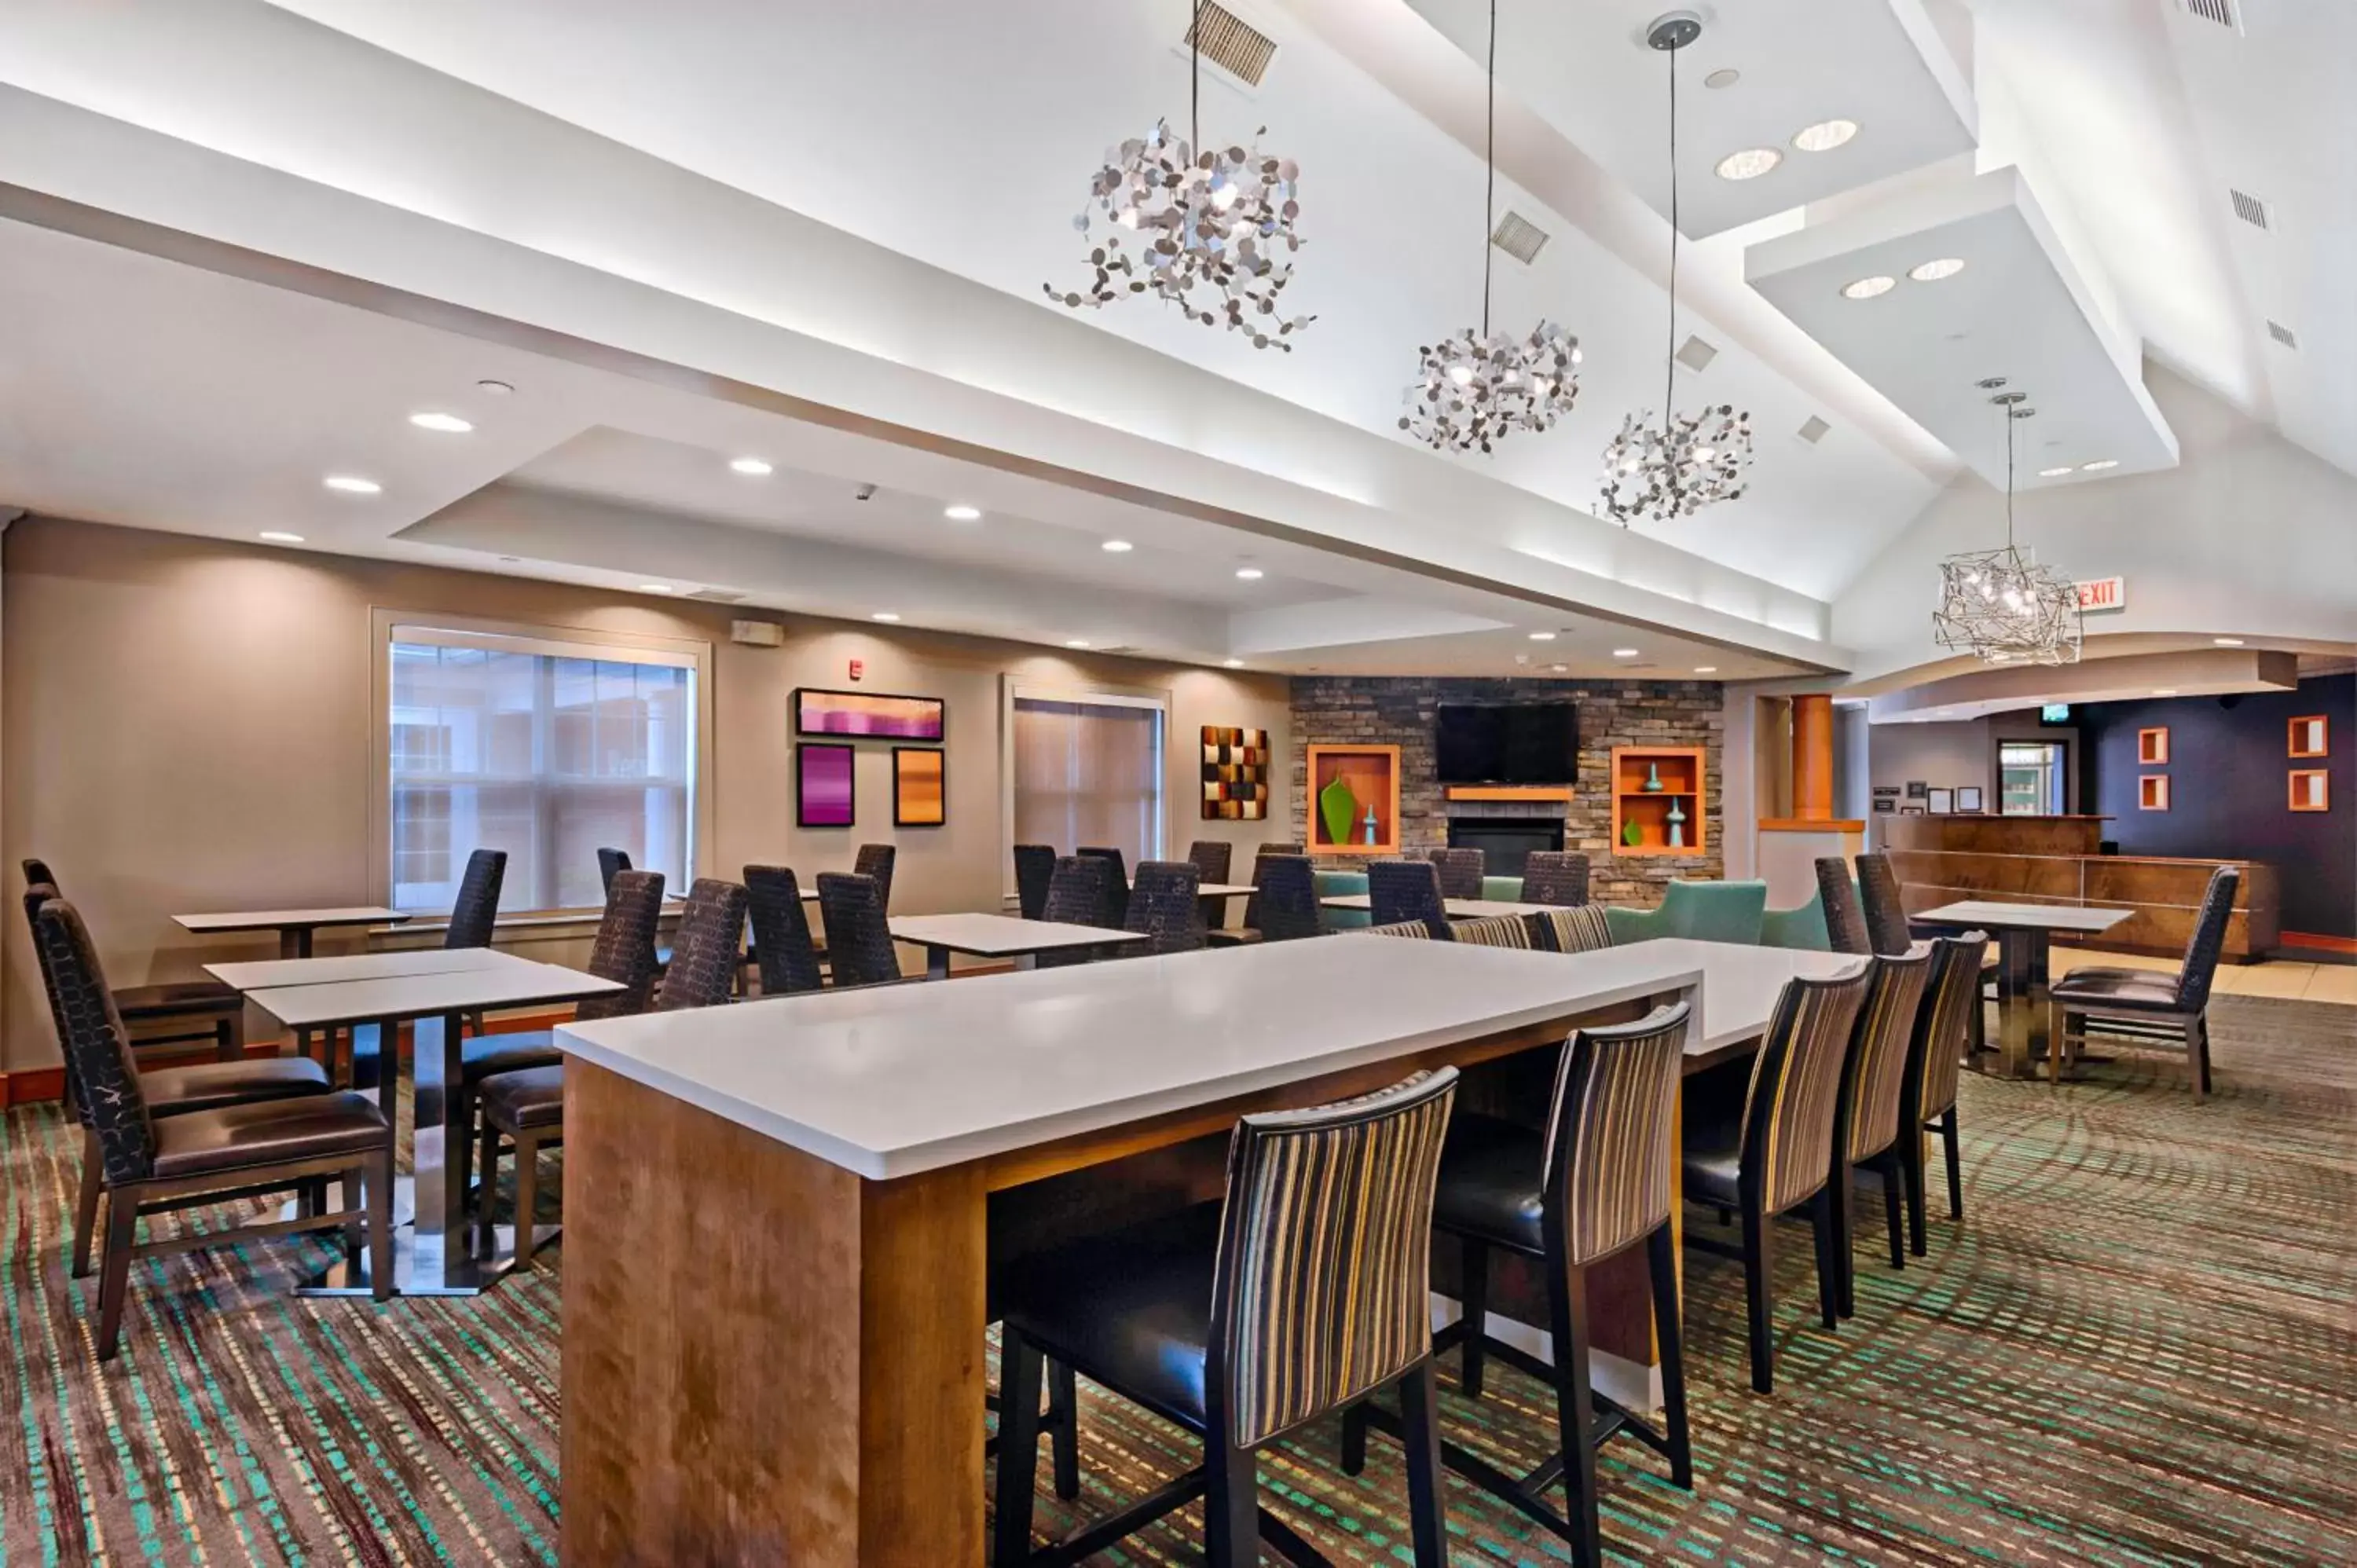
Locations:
column 1529, row 743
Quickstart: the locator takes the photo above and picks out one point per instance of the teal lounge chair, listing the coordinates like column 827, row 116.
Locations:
column 1803, row 927
column 1503, row 889
column 1340, row 885
column 1704, row 911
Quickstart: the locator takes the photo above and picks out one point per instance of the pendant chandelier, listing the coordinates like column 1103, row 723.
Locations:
column 1999, row 605
column 1205, row 225
column 1474, row 389
column 1692, row 460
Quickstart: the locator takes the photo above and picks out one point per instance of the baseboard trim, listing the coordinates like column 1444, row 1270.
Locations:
column 29, row 1086
column 2317, row 941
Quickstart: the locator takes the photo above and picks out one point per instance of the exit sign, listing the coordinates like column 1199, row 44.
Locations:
column 2103, row 594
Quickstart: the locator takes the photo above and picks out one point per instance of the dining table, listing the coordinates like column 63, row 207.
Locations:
column 1456, row 908
column 2025, row 944
column 295, row 928
column 1001, row 937
column 785, row 1210
column 433, row 1252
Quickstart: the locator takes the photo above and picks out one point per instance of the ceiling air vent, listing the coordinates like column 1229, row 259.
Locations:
column 1815, row 431
column 1231, row 43
column 1697, row 355
column 1519, row 238
column 2219, row 11
column 2251, row 210
column 2283, row 335
column 717, row 596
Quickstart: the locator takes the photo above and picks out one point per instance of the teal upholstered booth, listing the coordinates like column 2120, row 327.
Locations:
column 1706, row 911
column 1341, row 884
column 1803, row 927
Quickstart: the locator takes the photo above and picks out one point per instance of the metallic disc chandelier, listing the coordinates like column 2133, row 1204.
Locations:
column 1474, row 389
column 1692, row 460
column 1207, row 226
column 2000, row 606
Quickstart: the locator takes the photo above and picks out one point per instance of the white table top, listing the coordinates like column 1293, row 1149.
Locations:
column 1215, row 889
column 891, row 1080
column 1740, row 983
column 262, row 974
column 2023, row 917
column 291, row 919
column 1003, row 936
column 1457, row 908
column 423, row 995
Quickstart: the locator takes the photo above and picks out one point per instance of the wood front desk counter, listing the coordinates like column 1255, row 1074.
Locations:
column 2056, row 859
column 783, row 1213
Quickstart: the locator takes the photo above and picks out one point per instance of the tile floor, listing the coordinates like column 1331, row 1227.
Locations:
column 2288, row 981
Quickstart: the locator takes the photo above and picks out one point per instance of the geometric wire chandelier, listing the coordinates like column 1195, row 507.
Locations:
column 2000, row 605
column 1692, row 460
column 1472, row 390
column 1205, row 224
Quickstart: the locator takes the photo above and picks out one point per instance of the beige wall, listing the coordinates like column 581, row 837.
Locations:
column 184, row 724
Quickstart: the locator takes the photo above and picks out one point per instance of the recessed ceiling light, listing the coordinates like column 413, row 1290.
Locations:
column 1725, row 75
column 2164, row 690
column 1705, row 669
column 276, row 537
column 1251, row 574
column 654, row 587
column 2227, row 642
column 1749, row 163
column 1825, row 136
column 1233, row 663
column 1868, row 288
column 1624, row 653
column 1934, row 270
column 887, row 616
column 2056, row 473
column 753, row 466
column 1542, row 636
column 1560, row 669
column 2099, row 467
column 962, row 513
column 496, row 388
column 353, row 485
column 1076, row 642
column 447, row 424
column 1116, row 547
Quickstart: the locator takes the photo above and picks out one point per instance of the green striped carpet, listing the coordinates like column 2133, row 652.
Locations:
column 2140, row 1347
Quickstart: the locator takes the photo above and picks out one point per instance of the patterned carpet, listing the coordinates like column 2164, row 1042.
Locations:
column 2137, row 1348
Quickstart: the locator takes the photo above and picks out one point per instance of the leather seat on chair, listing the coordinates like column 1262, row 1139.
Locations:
column 1489, row 1182
column 533, row 1097
column 1134, row 1309
column 267, row 1133
column 2131, row 990
column 207, row 1086
column 488, row 1056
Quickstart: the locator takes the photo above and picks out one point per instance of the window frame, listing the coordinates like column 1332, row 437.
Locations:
column 1012, row 690
column 517, row 637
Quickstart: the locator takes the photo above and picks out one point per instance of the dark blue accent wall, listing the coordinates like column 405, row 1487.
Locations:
column 2228, row 790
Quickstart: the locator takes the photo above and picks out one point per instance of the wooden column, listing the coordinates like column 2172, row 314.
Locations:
column 1813, row 759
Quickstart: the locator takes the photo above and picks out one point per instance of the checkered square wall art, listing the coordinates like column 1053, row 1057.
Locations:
column 1235, row 774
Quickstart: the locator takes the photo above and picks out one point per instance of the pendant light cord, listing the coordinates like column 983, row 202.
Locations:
column 1490, row 155
column 2005, row 411
column 1195, row 83
column 1670, row 381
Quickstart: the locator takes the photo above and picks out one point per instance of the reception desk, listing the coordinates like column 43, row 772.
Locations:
column 2054, row 860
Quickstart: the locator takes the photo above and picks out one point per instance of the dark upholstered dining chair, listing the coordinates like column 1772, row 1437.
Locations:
column 167, row 1013
column 1401, row 890
column 2146, row 1007
column 153, row 1165
column 1596, row 1181
column 1164, row 908
column 1211, row 858
column 1555, row 876
column 705, row 947
column 1460, row 871
column 1761, row 1141
column 876, row 860
column 1075, row 898
column 1872, row 1120
column 1288, row 897
column 1034, row 865
column 1226, row 1319
column 1114, row 911
column 1837, row 895
column 781, row 933
column 859, row 942
column 610, row 861
column 475, row 915
column 1584, row 928
column 1943, row 1034
column 1886, row 914
column 205, row 1086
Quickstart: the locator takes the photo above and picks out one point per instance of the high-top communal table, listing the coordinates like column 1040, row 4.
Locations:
column 2025, row 939
column 295, row 927
column 782, row 1213
column 431, row 1256
column 1000, row 937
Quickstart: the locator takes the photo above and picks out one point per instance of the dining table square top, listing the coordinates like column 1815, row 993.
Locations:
column 520, row 984
column 290, row 919
column 1990, row 914
column 1456, row 908
column 263, row 974
column 1003, row 935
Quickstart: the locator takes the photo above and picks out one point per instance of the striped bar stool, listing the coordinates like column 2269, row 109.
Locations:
column 1596, row 1183
column 1229, row 1321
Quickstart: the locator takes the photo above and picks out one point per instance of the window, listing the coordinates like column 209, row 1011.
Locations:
column 1087, row 768
column 548, row 750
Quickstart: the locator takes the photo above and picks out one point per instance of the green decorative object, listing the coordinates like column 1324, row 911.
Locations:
column 1631, row 834
column 1653, row 777
column 1339, row 807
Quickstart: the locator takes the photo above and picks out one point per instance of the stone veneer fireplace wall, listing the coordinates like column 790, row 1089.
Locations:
column 1399, row 711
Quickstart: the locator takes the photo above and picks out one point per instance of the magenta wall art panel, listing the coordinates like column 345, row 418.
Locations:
column 823, row 785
